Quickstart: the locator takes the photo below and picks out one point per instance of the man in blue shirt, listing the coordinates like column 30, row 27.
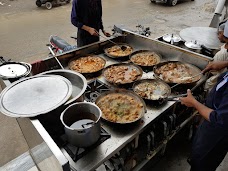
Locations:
column 210, row 143
column 86, row 15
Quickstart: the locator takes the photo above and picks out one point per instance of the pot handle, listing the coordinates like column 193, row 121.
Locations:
column 89, row 123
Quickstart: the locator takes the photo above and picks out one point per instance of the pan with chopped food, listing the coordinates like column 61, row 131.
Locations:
column 121, row 106
column 117, row 52
column 122, row 73
column 176, row 72
column 146, row 59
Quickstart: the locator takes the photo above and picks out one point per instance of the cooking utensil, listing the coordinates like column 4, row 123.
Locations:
column 32, row 96
column 123, row 48
column 193, row 45
column 186, row 78
column 205, row 35
column 93, row 65
column 120, row 92
column 82, row 123
column 114, row 77
column 171, row 38
column 192, row 69
column 77, row 80
column 126, row 56
column 143, row 54
column 151, row 89
column 14, row 70
column 160, row 93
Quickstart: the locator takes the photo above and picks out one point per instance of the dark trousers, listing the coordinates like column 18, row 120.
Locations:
column 84, row 38
column 209, row 147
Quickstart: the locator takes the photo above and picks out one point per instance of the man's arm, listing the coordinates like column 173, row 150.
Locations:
column 190, row 101
column 74, row 16
column 216, row 65
column 76, row 23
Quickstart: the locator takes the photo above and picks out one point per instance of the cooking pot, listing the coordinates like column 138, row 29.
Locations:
column 77, row 80
column 172, row 38
column 193, row 45
column 14, row 70
column 82, row 123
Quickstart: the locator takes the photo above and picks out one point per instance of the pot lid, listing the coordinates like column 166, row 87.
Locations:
column 13, row 70
column 35, row 95
column 174, row 37
column 207, row 36
column 193, row 45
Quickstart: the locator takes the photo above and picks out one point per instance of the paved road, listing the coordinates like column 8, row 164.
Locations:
column 25, row 28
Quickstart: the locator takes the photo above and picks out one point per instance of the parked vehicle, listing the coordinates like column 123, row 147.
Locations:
column 57, row 45
column 168, row 2
column 50, row 3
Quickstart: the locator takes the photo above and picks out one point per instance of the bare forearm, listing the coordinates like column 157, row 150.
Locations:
column 202, row 109
column 86, row 28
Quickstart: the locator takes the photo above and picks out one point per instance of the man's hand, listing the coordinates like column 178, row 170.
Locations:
column 106, row 33
column 188, row 101
column 216, row 65
column 92, row 31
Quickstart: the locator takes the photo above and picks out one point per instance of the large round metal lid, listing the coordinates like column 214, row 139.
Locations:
column 206, row 36
column 13, row 70
column 35, row 95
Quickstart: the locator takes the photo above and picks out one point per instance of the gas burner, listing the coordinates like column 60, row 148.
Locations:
column 94, row 89
column 78, row 152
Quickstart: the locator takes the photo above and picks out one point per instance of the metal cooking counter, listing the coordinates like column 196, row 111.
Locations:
column 121, row 135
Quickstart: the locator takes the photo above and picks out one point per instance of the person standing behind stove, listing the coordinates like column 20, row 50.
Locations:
column 221, row 55
column 86, row 15
column 210, row 144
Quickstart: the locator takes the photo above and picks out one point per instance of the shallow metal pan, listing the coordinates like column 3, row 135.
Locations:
column 124, row 92
column 146, row 67
column 157, row 94
column 118, row 57
column 88, row 74
column 130, row 66
column 194, row 70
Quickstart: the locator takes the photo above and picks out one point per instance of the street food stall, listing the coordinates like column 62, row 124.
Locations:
column 119, row 75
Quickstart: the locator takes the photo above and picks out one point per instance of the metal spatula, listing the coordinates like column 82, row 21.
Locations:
column 187, row 78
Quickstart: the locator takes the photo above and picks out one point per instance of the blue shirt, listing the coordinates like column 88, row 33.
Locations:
column 218, row 101
column 87, row 12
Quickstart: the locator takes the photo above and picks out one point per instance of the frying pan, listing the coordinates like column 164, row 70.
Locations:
column 130, row 66
column 193, row 69
column 89, row 74
column 123, row 92
column 141, row 53
column 118, row 57
column 161, row 94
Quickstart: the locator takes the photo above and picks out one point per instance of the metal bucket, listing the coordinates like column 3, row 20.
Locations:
column 82, row 123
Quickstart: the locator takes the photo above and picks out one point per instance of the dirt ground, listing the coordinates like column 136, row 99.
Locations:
column 25, row 28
